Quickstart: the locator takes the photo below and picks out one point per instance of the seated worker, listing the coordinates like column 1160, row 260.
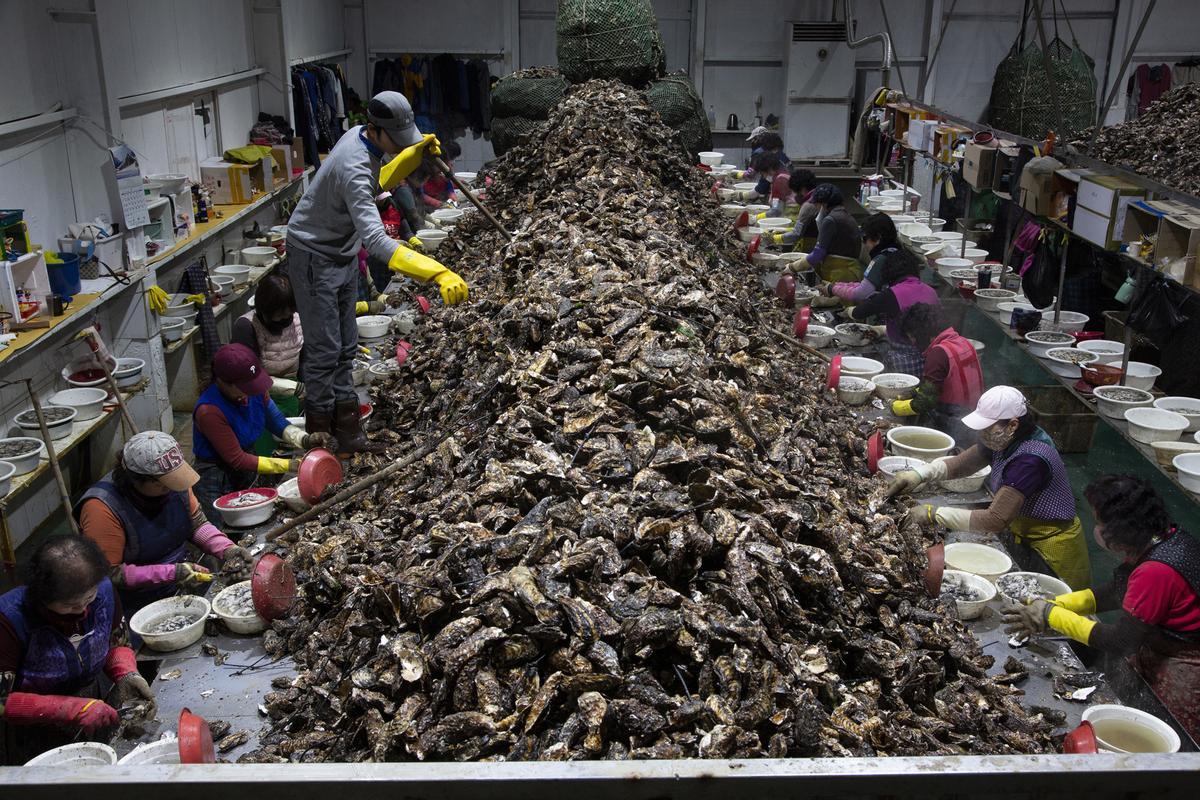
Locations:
column 62, row 648
column 801, row 183
column 772, row 184
column 903, row 290
column 229, row 417
column 272, row 331
column 1155, row 590
column 880, row 238
column 1031, row 493
column 762, row 140
column 143, row 514
column 438, row 187
column 839, row 241
column 952, row 378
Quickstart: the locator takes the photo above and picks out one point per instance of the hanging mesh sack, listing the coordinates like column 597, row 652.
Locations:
column 508, row 131
column 675, row 99
column 531, row 93
column 609, row 39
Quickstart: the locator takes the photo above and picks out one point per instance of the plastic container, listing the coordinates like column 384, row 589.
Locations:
column 259, row 255
column 1048, row 584
column 891, row 386
column 947, row 264
column 731, row 210
column 223, row 285
column 857, row 367
column 1189, row 407
column 7, row 470
column 1070, row 422
column 853, row 334
column 890, row 465
column 975, row 255
column 978, row 559
column 246, row 516
column 75, row 756
column 1148, row 425
column 1109, row 352
column 164, row 751
column 818, row 336
column 748, row 233
column 854, row 391
column 775, row 224
column 239, row 272
column 64, row 277
column 446, row 217
column 466, row 178
column 971, row 609
column 989, row 300
column 710, row 158
column 128, row 372
column 289, row 493
column 914, row 441
column 967, row 483
column 1068, row 321
column 190, row 605
column 1165, row 452
column 1188, row 467
column 1139, row 732
column 769, row 260
column 1141, row 375
column 1041, row 342
column 59, row 429
column 373, row 326
column 178, row 306
column 172, row 328
column 1109, row 404
column 251, row 623
column 28, row 460
column 1065, row 361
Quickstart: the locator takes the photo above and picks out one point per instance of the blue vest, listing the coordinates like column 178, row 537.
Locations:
column 247, row 422
column 51, row 664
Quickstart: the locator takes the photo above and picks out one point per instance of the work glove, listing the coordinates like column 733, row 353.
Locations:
column 26, row 708
column 908, row 479
column 424, row 268
column 197, row 299
column 416, row 244
column 284, row 387
column 158, row 299
column 375, row 307
column 777, row 238
column 325, row 441
column 405, row 163
column 96, row 344
column 190, row 576
column 920, row 515
column 761, row 215
column 1027, row 620
column 294, row 437
column 821, row 301
column 878, row 331
column 903, row 408
column 236, row 551
column 131, row 689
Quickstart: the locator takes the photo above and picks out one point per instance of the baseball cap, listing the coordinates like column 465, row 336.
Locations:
column 391, row 111
column 997, row 403
column 237, row 364
column 757, row 132
column 157, row 455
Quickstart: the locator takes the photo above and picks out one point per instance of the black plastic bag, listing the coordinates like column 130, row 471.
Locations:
column 1155, row 313
column 1040, row 281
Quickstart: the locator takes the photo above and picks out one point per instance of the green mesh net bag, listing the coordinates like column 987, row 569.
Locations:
column 609, row 39
column 1022, row 97
column 676, row 101
column 531, row 93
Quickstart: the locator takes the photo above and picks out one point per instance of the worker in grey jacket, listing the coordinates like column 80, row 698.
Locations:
column 337, row 212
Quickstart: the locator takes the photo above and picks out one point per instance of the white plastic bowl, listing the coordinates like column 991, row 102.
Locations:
column 748, row 233
column 1154, row 727
column 971, row 609
column 757, row 208
column 854, row 391
column 1108, row 351
column 78, row 755
column 88, row 403
column 447, row 217
column 1062, row 363
column 192, row 605
column 27, row 462
column 1149, row 424
column 248, row 515
column 858, row 367
column 775, row 224
column 59, row 429
column 956, row 248
column 373, row 326
column 7, row 470
column 467, row 178
column 172, row 328
column 179, row 306
column 259, row 255
column 978, row 345
column 818, row 336
column 990, row 299
column 967, row 483
column 239, row 272
column 252, row 623
column 1188, row 467
column 76, row 367
column 731, row 210
column 978, row 559
column 900, row 440
column 1048, row 583
column 381, row 369
column 1189, row 407
column 890, row 465
column 946, row 264
column 223, row 285
column 128, row 372
column 164, row 751
column 1004, row 312
column 1165, row 452
column 1068, row 321
column 431, row 238
column 853, row 334
column 949, row 236
column 289, row 493
column 710, row 158
column 1116, row 409
column 975, row 255
column 1041, row 342
column 745, row 187
column 1141, row 375
column 895, row 385
column 765, row 259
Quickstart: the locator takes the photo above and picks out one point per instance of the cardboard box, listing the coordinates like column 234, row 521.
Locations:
column 297, row 148
column 282, row 154
column 1178, row 237
column 262, row 175
column 920, row 134
column 1096, row 228
column 230, row 183
column 1037, row 192
column 979, row 161
column 1002, row 172
column 1108, row 196
column 1142, row 218
column 944, row 138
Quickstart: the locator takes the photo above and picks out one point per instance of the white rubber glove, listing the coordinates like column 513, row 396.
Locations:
column 956, row 519
column 283, row 387
column 293, row 436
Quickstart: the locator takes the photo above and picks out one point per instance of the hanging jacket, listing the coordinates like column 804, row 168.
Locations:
column 1055, row 501
column 280, row 354
column 52, row 664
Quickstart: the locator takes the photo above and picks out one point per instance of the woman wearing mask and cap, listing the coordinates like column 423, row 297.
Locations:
column 1031, row 494
column 143, row 515
column 272, row 330
column 1155, row 592
column 839, row 241
column 62, row 649
column 230, row 416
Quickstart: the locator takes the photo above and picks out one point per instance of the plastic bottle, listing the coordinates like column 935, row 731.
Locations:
column 712, row 116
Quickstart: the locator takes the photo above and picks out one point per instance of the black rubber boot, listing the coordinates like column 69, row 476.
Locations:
column 348, row 428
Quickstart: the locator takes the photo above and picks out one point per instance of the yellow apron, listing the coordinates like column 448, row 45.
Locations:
column 839, row 269
column 1061, row 546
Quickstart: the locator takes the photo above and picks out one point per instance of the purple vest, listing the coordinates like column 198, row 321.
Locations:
column 909, row 292
column 1055, row 501
column 51, row 664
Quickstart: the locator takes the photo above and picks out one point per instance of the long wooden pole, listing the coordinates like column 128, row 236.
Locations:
column 462, row 187
column 112, row 386
column 63, row 494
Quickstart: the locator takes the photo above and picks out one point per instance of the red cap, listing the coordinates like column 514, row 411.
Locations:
column 237, row 364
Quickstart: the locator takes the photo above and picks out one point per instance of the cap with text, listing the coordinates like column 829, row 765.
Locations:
column 155, row 454
column 238, row 364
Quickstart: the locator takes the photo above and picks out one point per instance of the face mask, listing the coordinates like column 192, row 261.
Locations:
column 996, row 439
column 274, row 328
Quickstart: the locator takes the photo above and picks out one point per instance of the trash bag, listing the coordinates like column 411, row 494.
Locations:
column 676, row 101
column 531, row 93
column 1156, row 312
column 1039, row 281
column 609, row 39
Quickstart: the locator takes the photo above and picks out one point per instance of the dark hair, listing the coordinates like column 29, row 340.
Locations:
column 898, row 265
column 451, row 150
column 880, row 226
column 1026, row 424
column 763, row 163
column 921, row 323
column 1130, row 510
column 769, row 141
column 274, row 293
column 62, row 568
column 802, row 180
column 827, row 194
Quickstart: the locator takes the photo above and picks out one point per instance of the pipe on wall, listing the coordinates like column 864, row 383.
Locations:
column 885, row 40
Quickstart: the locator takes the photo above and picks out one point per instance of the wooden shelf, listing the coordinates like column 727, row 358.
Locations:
column 256, row 276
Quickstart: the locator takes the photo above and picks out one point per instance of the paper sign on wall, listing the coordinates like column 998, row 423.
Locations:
column 129, row 186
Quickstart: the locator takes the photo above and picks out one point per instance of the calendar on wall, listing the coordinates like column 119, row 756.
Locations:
column 126, row 177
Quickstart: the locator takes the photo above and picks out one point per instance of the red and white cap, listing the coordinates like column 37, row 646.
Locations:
column 155, row 454
column 997, row 403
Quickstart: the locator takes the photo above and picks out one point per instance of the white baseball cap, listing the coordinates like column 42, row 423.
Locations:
column 997, row 403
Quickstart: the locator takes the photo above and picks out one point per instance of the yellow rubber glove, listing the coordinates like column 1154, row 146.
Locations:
column 157, row 298
column 1081, row 602
column 903, row 408
column 1069, row 623
column 423, row 268
column 405, row 163
column 762, row 215
column 777, row 238
column 415, row 244
column 197, row 299
column 276, row 466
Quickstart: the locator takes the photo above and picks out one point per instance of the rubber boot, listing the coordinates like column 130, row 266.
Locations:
column 348, row 428
column 318, row 421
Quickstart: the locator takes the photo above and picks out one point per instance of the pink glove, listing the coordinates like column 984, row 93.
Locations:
column 137, row 577
column 24, row 708
column 119, row 663
column 211, row 540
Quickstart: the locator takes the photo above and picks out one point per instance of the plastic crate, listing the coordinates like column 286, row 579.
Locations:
column 1069, row 421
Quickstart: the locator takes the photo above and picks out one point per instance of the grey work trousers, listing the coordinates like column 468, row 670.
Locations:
column 325, row 294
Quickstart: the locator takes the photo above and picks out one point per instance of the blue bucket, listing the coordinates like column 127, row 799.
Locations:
column 64, row 277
